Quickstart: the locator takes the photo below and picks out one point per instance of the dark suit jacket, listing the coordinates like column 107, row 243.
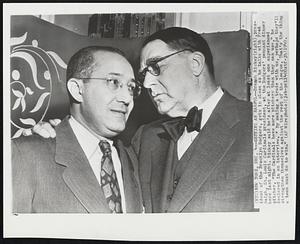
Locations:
column 219, row 172
column 54, row 176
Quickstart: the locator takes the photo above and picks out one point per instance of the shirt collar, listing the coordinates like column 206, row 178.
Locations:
column 87, row 140
column 209, row 105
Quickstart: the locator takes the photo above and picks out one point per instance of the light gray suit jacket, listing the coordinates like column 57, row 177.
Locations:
column 54, row 176
column 219, row 171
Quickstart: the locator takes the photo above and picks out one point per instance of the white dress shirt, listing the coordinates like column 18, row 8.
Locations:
column 207, row 107
column 90, row 145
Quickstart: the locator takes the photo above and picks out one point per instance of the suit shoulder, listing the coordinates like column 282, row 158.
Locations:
column 154, row 125
column 30, row 153
column 151, row 129
column 33, row 143
column 233, row 101
column 245, row 109
column 244, row 105
column 147, row 133
column 33, row 139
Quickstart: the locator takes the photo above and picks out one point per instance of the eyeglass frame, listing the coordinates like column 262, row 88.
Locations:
column 120, row 84
column 142, row 74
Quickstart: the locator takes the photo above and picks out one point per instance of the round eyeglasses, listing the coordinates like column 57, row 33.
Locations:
column 114, row 84
column 153, row 67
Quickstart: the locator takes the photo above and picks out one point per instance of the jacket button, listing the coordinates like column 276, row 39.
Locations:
column 169, row 197
column 175, row 183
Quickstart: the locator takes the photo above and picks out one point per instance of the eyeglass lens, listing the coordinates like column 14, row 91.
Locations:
column 153, row 67
column 133, row 88
column 114, row 85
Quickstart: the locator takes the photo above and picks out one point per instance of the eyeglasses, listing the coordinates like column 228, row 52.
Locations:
column 115, row 84
column 153, row 67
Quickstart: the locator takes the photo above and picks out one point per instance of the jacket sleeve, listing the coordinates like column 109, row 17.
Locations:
column 22, row 179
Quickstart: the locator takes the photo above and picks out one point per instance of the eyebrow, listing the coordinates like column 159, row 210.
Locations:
column 113, row 73
column 153, row 59
column 118, row 74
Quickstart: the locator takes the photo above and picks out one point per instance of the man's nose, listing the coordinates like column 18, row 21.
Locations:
column 124, row 95
column 150, row 80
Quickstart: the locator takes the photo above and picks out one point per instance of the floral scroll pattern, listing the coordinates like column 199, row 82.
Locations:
column 33, row 72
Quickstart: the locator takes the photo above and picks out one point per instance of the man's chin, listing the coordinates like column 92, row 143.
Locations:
column 164, row 109
column 115, row 130
column 171, row 112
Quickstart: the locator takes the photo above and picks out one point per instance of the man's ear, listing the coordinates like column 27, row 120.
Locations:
column 75, row 88
column 197, row 63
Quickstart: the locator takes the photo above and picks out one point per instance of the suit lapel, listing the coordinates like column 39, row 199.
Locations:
column 132, row 190
column 211, row 145
column 78, row 175
column 167, row 145
column 157, row 169
column 167, row 176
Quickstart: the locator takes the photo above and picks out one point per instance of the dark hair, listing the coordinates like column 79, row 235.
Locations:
column 82, row 63
column 182, row 38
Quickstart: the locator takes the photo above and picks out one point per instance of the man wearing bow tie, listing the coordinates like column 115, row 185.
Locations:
column 199, row 160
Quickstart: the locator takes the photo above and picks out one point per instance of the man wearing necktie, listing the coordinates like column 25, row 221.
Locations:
column 81, row 170
column 200, row 159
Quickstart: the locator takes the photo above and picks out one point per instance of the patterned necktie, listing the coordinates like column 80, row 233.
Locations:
column 109, row 182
